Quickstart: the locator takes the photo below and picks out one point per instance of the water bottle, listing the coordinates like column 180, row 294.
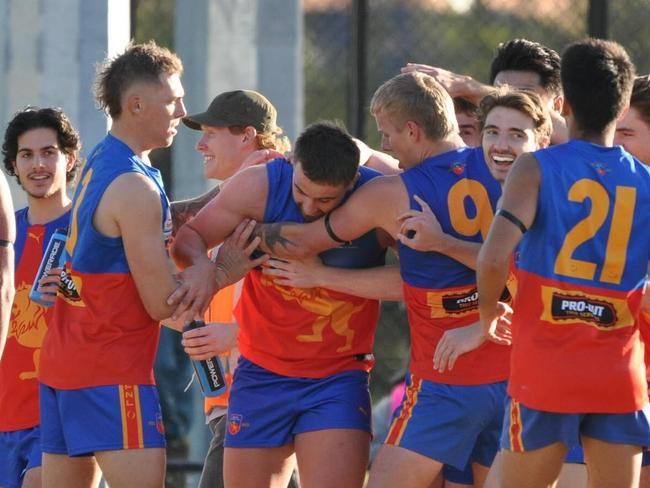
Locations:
column 208, row 371
column 54, row 257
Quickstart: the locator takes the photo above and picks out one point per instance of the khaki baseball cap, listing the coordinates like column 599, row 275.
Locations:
column 237, row 108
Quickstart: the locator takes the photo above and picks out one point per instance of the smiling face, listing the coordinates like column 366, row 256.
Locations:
column 507, row 133
column 40, row 165
column 633, row 133
column 223, row 151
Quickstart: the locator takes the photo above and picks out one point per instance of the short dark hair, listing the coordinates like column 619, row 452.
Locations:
column 524, row 101
column 525, row 55
column 464, row 106
column 140, row 62
column 597, row 78
column 640, row 99
column 37, row 118
column 327, row 154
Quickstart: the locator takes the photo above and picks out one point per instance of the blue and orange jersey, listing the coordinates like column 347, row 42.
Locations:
column 440, row 293
column 582, row 269
column 101, row 334
column 308, row 332
column 27, row 327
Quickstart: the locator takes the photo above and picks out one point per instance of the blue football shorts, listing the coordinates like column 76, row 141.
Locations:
column 103, row 418
column 525, row 428
column 20, row 451
column 267, row 410
column 452, row 424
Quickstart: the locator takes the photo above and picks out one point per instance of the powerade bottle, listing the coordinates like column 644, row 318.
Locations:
column 54, row 257
column 209, row 371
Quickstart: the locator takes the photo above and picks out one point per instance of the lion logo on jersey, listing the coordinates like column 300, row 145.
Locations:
column 332, row 312
column 28, row 326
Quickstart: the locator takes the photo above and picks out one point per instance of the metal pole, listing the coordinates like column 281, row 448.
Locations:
column 598, row 18
column 357, row 85
column 134, row 11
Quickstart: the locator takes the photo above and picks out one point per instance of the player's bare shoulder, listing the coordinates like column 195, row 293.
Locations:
column 247, row 190
column 130, row 196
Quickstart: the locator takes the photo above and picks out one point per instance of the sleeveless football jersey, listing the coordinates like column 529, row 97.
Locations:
column 102, row 334
column 440, row 293
column 582, row 268
column 28, row 324
column 312, row 332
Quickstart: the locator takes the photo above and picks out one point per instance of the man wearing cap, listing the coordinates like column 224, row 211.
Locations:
column 239, row 130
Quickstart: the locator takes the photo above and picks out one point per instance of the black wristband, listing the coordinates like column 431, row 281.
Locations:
column 513, row 219
column 5, row 243
column 331, row 233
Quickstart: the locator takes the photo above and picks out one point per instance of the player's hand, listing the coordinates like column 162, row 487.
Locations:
column 49, row 284
column 209, row 341
column 420, row 230
column 455, row 84
column 454, row 343
column 196, row 286
column 260, row 156
column 296, row 273
column 234, row 256
column 497, row 326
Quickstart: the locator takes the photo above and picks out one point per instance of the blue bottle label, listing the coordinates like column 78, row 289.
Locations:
column 54, row 257
column 208, row 371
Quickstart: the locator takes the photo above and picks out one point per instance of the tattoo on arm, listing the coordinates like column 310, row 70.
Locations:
column 184, row 210
column 272, row 239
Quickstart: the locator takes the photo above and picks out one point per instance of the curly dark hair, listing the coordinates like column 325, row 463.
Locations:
column 140, row 62
column 37, row 118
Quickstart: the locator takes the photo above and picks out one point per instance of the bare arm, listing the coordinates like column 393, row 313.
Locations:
column 375, row 205
column 378, row 283
column 184, row 210
column 244, row 197
column 137, row 220
column 456, row 85
column 8, row 236
column 382, row 162
column 520, row 199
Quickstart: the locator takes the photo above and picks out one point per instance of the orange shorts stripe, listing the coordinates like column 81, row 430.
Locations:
column 400, row 423
column 516, row 443
column 131, row 417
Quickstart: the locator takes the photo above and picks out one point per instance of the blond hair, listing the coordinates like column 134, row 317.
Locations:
column 419, row 98
column 267, row 140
